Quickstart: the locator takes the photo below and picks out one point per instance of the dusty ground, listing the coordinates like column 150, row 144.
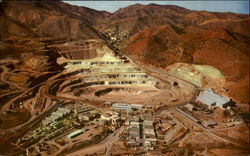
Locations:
column 200, row 141
column 140, row 95
column 119, row 149
column 227, row 152
column 19, row 78
column 12, row 119
column 203, row 76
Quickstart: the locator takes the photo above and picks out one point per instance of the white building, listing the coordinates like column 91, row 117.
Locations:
column 213, row 100
column 74, row 134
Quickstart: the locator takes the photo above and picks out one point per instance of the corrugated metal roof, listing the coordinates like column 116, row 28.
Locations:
column 77, row 132
column 209, row 97
column 121, row 105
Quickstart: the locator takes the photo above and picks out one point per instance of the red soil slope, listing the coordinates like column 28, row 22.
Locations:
column 211, row 45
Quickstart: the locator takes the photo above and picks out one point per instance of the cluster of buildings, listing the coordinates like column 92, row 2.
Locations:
column 134, row 135
column 84, row 117
column 118, row 114
column 139, row 131
column 140, row 134
column 85, row 113
column 58, row 122
column 208, row 101
column 149, row 134
column 60, row 113
column 116, row 36
column 50, row 127
column 111, row 116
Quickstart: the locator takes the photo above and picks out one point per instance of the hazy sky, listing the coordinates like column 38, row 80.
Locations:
column 215, row 6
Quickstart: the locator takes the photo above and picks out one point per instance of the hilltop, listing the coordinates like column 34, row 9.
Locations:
column 159, row 35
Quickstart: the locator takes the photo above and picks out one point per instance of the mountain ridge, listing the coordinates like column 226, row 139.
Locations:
column 154, row 34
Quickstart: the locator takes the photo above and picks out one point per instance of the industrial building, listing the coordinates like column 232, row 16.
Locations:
column 110, row 116
column 137, row 106
column 56, row 116
column 83, row 109
column 74, row 134
column 83, row 117
column 127, row 107
column 213, row 100
column 87, row 116
column 134, row 131
column 149, row 133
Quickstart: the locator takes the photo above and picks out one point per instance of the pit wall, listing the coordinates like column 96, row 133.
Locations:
column 87, row 63
column 114, row 69
column 117, row 76
column 78, row 50
column 104, row 61
column 144, row 83
column 82, row 54
column 76, row 45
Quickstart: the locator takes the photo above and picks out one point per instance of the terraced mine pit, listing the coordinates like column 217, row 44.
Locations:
column 100, row 90
column 105, row 76
column 143, row 80
column 77, row 50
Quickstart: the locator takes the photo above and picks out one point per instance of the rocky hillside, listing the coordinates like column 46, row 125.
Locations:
column 219, row 40
column 47, row 19
column 134, row 18
column 154, row 34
